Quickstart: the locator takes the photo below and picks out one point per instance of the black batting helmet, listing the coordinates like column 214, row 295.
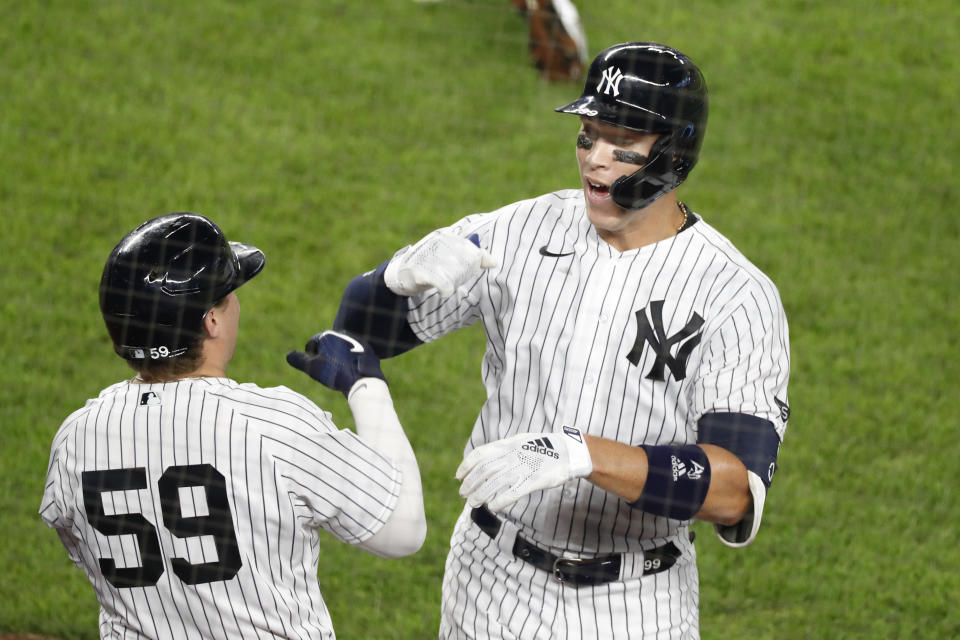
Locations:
column 652, row 88
column 163, row 277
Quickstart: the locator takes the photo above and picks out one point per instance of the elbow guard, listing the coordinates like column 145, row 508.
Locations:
column 756, row 443
column 678, row 478
column 753, row 440
column 375, row 314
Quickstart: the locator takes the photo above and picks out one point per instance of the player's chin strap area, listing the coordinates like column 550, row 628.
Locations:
column 652, row 180
column 578, row 572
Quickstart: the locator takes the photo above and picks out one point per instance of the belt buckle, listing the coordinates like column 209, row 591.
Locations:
column 567, row 561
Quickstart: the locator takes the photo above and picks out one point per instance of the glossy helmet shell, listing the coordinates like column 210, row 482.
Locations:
column 163, row 277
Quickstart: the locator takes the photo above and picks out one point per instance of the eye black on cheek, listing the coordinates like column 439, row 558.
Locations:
column 631, row 157
column 583, row 142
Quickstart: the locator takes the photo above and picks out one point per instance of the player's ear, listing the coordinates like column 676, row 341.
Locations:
column 212, row 323
column 213, row 320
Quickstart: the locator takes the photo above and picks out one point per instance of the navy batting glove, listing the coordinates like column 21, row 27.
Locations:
column 336, row 360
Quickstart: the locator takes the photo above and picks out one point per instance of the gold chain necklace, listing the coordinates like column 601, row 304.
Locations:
column 686, row 215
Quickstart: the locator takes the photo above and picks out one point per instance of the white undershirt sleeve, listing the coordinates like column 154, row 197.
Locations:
column 743, row 533
column 378, row 425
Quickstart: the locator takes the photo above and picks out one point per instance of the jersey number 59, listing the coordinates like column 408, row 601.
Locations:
column 219, row 524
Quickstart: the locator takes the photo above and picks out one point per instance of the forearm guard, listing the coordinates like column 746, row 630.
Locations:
column 372, row 312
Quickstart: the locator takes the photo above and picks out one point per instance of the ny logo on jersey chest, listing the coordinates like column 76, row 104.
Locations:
column 655, row 335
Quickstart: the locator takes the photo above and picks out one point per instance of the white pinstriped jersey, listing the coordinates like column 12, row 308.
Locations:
column 633, row 346
column 206, row 497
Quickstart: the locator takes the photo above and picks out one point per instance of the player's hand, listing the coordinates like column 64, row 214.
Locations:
column 442, row 259
column 336, row 360
column 500, row 473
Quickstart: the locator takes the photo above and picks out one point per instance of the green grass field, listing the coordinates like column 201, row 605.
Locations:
column 330, row 133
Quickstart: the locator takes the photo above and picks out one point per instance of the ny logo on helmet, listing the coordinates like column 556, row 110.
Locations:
column 610, row 81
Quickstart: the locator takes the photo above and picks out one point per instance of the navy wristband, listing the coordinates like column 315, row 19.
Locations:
column 678, row 478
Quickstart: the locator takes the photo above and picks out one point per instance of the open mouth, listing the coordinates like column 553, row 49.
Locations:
column 598, row 190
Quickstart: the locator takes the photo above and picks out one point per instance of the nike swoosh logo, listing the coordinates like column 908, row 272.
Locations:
column 357, row 347
column 550, row 254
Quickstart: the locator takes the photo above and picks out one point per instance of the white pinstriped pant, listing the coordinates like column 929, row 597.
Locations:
column 488, row 593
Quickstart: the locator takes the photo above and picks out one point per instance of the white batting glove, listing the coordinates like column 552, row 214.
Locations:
column 442, row 259
column 500, row 473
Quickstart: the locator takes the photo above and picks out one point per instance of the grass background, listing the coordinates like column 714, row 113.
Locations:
column 329, row 133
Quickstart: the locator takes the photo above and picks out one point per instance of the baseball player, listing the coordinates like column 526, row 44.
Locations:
column 194, row 502
column 635, row 370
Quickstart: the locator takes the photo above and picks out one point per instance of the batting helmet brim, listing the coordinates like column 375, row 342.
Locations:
column 251, row 261
column 638, row 119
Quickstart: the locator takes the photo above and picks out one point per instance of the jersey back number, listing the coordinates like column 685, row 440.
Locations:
column 218, row 524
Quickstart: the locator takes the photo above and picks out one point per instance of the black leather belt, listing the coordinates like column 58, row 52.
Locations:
column 576, row 571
